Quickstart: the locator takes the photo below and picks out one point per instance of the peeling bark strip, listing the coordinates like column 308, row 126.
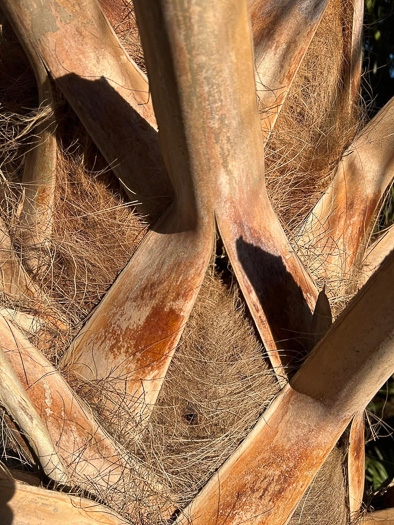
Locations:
column 265, row 478
column 39, row 175
column 21, row 504
column 356, row 57
column 278, row 39
column 341, row 219
column 356, row 464
column 91, row 458
column 103, row 85
column 18, row 405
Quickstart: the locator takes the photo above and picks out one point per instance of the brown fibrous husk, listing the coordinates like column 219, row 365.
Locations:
column 219, row 381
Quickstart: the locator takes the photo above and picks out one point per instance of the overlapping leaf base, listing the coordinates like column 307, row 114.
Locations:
column 150, row 464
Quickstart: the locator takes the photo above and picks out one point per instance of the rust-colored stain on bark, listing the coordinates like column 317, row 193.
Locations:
column 90, row 456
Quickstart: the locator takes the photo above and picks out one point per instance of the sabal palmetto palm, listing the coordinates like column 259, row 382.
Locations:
column 201, row 175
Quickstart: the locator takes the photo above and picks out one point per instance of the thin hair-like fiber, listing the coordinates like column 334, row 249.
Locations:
column 219, row 381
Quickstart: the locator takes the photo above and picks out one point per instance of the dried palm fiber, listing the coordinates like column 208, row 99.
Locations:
column 216, row 387
column 375, row 255
column 324, row 502
column 199, row 419
column 19, row 100
column 121, row 16
column 94, row 233
column 315, row 124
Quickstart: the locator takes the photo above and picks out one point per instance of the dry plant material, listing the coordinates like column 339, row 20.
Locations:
column 21, row 503
column 274, row 26
column 95, row 233
column 272, row 468
column 17, row 403
column 375, row 255
column 312, row 131
column 14, row 446
column 105, row 88
column 17, row 288
column 340, row 222
column 93, row 461
column 26, row 322
column 218, row 383
column 216, row 387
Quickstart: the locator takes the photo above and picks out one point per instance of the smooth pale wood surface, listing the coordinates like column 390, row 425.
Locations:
column 279, row 48
column 385, row 517
column 274, row 465
column 22, row 504
column 339, row 224
column 14, row 399
column 104, row 86
column 39, row 173
column 92, row 459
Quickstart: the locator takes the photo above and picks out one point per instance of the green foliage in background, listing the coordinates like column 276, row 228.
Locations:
column 379, row 461
column 379, row 50
column 378, row 87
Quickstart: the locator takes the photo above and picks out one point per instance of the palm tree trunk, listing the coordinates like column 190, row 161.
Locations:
column 267, row 475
